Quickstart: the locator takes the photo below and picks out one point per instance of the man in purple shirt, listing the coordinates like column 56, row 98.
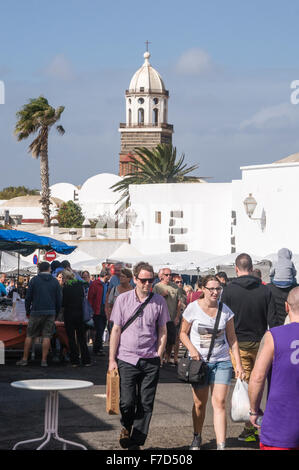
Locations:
column 137, row 354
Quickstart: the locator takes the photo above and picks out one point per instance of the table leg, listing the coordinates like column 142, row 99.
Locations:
column 51, row 424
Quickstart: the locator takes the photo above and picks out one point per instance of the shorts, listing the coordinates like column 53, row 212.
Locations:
column 248, row 358
column 262, row 447
column 41, row 325
column 219, row 373
column 171, row 333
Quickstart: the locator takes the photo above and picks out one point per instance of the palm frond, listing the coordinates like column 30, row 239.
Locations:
column 158, row 165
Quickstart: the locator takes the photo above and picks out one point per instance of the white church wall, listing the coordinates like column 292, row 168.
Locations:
column 276, row 190
column 202, row 212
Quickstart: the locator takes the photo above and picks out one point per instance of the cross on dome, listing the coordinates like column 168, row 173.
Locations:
column 147, row 43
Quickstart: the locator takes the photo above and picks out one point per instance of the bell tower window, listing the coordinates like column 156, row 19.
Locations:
column 130, row 117
column 155, row 116
column 140, row 116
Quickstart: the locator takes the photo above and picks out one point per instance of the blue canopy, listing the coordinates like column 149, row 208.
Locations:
column 26, row 243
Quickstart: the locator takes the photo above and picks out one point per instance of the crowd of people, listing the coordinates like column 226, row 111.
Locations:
column 150, row 316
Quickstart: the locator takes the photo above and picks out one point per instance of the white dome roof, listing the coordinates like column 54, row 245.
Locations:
column 147, row 78
column 64, row 191
column 97, row 188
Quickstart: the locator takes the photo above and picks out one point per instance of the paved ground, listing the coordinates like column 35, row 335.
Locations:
column 83, row 418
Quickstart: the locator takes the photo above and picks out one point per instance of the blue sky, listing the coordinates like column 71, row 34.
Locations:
column 227, row 65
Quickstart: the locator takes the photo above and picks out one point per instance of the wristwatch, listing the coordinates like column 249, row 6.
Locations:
column 253, row 413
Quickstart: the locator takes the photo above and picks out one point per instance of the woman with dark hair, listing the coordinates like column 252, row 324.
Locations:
column 72, row 302
column 198, row 321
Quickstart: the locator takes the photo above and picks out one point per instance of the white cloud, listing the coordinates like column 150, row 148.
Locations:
column 194, row 62
column 273, row 117
column 59, row 68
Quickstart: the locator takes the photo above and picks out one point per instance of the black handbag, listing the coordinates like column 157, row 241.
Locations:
column 190, row 371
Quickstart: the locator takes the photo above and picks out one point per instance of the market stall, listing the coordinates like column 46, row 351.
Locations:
column 13, row 320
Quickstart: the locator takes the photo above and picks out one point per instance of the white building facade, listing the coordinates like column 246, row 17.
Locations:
column 212, row 217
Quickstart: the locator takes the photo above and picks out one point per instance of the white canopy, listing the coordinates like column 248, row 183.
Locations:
column 81, row 261
column 187, row 261
column 9, row 264
column 124, row 253
column 226, row 260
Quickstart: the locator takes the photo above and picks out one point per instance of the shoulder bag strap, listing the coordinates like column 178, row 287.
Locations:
column 214, row 331
column 139, row 311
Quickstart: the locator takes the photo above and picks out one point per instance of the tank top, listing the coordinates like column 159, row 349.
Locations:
column 280, row 425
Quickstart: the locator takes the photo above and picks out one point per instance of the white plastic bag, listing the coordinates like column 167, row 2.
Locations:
column 240, row 402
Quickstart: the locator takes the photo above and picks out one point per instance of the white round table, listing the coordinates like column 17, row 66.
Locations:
column 52, row 386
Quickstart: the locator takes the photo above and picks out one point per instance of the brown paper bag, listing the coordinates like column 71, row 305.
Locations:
column 112, row 392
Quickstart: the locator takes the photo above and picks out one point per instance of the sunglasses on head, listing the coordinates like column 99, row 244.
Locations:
column 149, row 280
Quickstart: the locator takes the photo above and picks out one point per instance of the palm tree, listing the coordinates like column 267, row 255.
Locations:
column 158, row 165
column 39, row 116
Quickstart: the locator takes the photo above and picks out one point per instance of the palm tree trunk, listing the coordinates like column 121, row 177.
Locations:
column 44, row 177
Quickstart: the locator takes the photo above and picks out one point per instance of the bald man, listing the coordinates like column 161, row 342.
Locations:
column 280, row 424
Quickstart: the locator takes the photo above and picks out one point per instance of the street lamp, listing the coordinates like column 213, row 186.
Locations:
column 250, row 205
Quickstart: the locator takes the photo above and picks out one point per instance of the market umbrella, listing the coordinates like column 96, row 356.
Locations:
column 25, row 243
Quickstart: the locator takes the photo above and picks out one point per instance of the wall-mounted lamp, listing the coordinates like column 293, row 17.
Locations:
column 250, row 205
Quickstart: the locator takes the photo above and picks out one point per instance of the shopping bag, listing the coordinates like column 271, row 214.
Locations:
column 112, row 392
column 240, row 405
column 87, row 313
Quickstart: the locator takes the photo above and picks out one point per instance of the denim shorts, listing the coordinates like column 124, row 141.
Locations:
column 219, row 373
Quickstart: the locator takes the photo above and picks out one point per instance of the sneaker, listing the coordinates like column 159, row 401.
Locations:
column 22, row 362
column 124, row 438
column 221, row 446
column 196, row 443
column 134, row 447
column 44, row 364
column 88, row 364
column 248, row 435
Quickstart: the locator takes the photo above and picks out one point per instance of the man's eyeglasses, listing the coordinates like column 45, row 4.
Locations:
column 166, row 274
column 211, row 289
column 150, row 280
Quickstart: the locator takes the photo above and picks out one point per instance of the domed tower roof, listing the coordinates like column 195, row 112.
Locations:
column 146, row 78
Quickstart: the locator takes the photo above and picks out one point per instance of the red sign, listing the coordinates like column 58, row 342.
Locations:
column 50, row 256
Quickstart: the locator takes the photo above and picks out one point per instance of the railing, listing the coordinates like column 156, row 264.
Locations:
column 123, row 125
column 151, row 91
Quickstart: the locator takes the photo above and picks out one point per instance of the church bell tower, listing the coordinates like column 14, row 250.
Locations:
column 146, row 115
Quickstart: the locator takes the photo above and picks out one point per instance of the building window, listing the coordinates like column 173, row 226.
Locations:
column 165, row 112
column 155, row 100
column 130, row 117
column 158, row 217
column 155, row 116
column 140, row 100
column 140, row 116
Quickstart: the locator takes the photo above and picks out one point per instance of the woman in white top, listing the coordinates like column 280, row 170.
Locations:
column 199, row 320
